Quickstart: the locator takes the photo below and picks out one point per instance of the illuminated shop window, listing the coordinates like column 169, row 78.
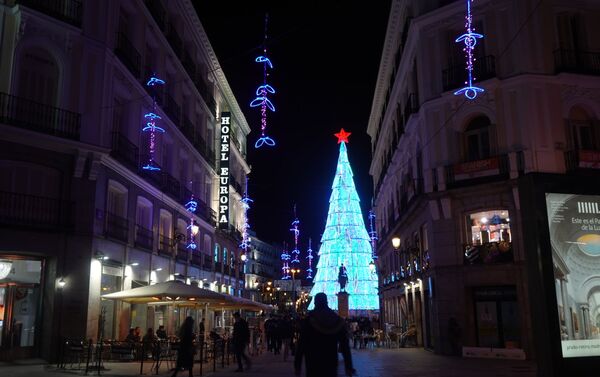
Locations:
column 490, row 238
column 490, row 226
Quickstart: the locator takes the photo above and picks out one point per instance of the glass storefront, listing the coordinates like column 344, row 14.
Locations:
column 20, row 294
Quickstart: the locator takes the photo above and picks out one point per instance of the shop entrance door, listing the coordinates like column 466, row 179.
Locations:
column 20, row 300
column 497, row 317
column 18, row 307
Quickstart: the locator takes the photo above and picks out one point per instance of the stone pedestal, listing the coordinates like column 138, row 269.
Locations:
column 343, row 307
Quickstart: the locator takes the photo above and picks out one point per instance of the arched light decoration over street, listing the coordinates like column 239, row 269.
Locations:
column 396, row 242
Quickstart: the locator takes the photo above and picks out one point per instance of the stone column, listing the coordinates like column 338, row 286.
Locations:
column 566, row 309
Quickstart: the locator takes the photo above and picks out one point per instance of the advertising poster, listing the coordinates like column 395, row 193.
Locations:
column 574, row 225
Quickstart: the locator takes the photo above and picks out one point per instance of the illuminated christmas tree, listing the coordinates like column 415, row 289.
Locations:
column 345, row 242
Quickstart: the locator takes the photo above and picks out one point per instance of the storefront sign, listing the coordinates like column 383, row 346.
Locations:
column 224, row 171
column 589, row 159
column 574, row 228
column 475, row 169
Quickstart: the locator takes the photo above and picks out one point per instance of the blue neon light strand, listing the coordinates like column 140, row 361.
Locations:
column 470, row 41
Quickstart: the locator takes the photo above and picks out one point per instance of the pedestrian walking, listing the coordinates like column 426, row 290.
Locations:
column 240, row 339
column 269, row 332
column 286, row 330
column 201, row 330
column 185, row 355
column 322, row 333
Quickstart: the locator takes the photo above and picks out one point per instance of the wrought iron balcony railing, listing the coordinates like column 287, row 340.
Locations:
column 116, row 227
column 158, row 12
column 165, row 245
column 455, row 76
column 144, row 238
column 69, row 11
column 128, row 54
column 575, row 61
column 479, row 171
column 125, row 151
column 35, row 116
column 23, row 210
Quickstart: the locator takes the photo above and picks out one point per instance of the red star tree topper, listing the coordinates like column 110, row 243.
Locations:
column 343, row 136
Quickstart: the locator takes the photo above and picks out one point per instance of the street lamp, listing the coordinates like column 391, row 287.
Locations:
column 294, row 271
column 243, row 257
column 396, row 243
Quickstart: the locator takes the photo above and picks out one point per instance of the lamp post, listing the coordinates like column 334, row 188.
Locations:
column 396, row 243
column 294, row 271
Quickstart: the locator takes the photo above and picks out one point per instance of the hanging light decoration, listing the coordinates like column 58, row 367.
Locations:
column 285, row 267
column 310, row 257
column 151, row 118
column 295, row 253
column 470, row 41
column 245, row 238
column 262, row 95
column 193, row 228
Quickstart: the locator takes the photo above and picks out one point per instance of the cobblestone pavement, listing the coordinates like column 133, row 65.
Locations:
column 406, row 362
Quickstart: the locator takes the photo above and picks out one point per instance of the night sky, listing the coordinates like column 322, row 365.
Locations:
column 326, row 56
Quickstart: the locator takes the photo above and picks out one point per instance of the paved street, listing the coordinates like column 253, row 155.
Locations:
column 369, row 363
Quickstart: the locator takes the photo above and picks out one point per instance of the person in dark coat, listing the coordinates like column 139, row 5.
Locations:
column 185, row 355
column 286, row 331
column 321, row 333
column 240, row 339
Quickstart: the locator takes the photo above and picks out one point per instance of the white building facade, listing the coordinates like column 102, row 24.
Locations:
column 451, row 174
column 77, row 207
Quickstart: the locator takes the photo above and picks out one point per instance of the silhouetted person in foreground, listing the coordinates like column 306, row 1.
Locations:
column 321, row 332
column 185, row 355
column 241, row 338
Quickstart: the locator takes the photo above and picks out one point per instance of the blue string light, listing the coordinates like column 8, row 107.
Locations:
column 151, row 126
column 310, row 257
column 470, row 41
column 191, row 207
column 296, row 231
column 245, row 244
column 262, row 92
column 373, row 233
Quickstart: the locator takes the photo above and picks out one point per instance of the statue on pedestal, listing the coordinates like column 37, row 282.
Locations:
column 343, row 278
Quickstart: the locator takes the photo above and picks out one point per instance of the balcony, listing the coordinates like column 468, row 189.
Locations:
column 127, row 53
column 21, row 210
column 455, row 76
column 218, row 267
column 236, row 186
column 35, row 116
column 488, row 253
column 175, row 41
column 574, row 61
column 116, row 227
column 196, row 260
column 477, row 172
column 143, row 237
column 182, row 252
column 172, row 109
column 411, row 106
column 582, row 159
column 125, row 151
column 68, row 11
column 165, row 246
column 158, row 12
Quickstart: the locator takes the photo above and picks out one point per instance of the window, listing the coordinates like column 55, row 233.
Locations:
column 490, row 237
column 165, row 225
column 582, row 132
column 224, row 256
column 38, row 77
column 144, row 213
column 116, row 200
column 477, row 139
column 217, row 248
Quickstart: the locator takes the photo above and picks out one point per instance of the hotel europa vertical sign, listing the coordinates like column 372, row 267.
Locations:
column 224, row 171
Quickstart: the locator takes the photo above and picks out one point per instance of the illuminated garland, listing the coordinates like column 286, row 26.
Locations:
column 285, row 268
column 296, row 231
column 245, row 206
column 150, row 119
column 262, row 93
column 310, row 257
column 470, row 40
column 191, row 207
column 373, row 233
